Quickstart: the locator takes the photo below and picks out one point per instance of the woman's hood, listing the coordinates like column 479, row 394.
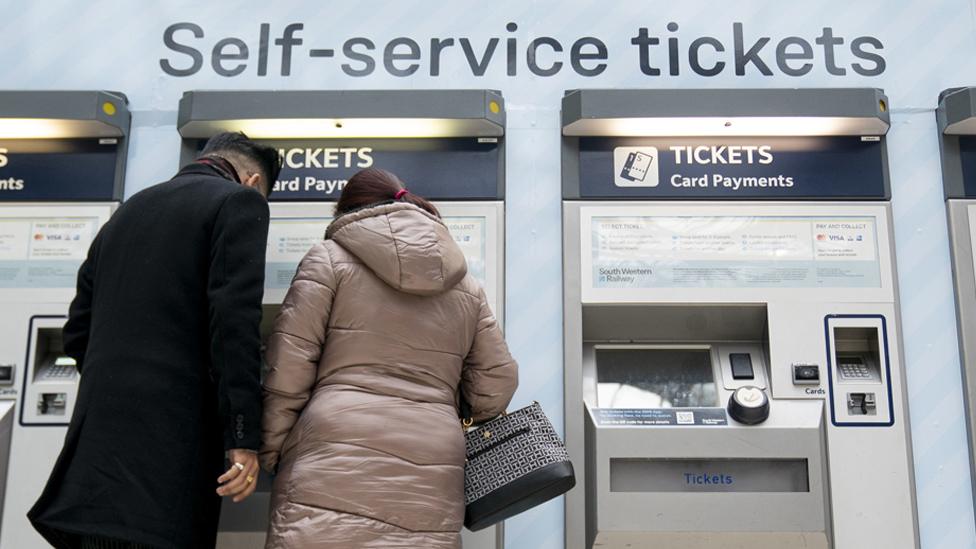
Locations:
column 408, row 248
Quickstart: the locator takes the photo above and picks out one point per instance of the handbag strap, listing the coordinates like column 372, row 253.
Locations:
column 464, row 412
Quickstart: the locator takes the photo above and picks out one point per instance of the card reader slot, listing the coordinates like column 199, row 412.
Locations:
column 741, row 366
column 51, row 379
column 859, row 376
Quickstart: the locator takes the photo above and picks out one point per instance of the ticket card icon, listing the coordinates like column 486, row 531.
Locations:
column 635, row 166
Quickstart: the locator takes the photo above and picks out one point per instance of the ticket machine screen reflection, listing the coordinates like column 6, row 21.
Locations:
column 655, row 378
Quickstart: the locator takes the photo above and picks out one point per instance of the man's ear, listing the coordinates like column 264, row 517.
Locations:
column 254, row 181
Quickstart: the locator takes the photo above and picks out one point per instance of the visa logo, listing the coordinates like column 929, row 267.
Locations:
column 836, row 238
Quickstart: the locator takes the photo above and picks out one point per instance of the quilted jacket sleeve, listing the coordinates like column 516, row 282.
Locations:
column 294, row 349
column 490, row 374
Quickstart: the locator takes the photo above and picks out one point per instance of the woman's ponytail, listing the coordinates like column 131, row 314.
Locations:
column 373, row 186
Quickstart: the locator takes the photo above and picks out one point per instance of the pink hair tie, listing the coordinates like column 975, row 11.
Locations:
column 400, row 194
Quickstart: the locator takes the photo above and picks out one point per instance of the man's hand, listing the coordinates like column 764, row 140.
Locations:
column 242, row 478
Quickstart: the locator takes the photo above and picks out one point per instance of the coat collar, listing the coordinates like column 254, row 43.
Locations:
column 196, row 168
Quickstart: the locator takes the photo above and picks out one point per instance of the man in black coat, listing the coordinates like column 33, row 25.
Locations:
column 165, row 330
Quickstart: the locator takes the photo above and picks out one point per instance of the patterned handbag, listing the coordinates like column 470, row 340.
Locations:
column 514, row 462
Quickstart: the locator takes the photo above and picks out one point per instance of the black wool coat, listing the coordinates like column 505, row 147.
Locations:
column 165, row 329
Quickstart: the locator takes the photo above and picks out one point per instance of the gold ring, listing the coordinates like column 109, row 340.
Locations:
column 249, row 479
column 239, row 465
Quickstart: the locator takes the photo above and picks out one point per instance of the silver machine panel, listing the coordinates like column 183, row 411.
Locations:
column 50, row 212
column 734, row 371
column 956, row 118
column 38, row 383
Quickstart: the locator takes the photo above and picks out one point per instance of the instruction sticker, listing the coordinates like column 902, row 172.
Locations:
column 469, row 233
column 734, row 252
column 660, row 416
column 43, row 252
column 61, row 239
column 289, row 239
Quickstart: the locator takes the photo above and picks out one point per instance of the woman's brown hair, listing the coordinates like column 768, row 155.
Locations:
column 373, row 186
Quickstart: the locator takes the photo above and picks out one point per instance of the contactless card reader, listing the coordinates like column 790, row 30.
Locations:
column 7, row 374
column 806, row 374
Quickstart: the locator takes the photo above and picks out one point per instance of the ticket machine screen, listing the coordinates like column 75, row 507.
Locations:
column 648, row 377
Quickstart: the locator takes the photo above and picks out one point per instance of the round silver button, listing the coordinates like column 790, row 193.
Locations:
column 749, row 405
column 750, row 395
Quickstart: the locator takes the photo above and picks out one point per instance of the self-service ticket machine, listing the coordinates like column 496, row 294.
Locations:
column 732, row 339
column 447, row 145
column 956, row 117
column 62, row 160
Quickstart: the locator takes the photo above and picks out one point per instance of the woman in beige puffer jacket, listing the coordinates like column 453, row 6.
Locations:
column 381, row 331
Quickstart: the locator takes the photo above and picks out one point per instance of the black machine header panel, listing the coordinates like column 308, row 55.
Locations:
column 62, row 146
column 676, row 145
column 956, row 117
column 444, row 144
column 458, row 168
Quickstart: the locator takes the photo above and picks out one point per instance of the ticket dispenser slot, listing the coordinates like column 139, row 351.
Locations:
column 51, row 382
column 859, row 387
column 698, row 475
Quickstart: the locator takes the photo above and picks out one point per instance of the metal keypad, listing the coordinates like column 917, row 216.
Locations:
column 60, row 372
column 854, row 370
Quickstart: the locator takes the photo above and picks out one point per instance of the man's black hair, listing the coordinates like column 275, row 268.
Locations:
column 236, row 143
